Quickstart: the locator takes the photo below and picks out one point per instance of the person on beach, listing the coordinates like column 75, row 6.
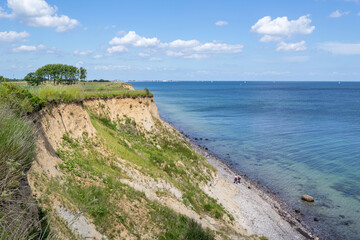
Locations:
column 235, row 179
column 238, row 179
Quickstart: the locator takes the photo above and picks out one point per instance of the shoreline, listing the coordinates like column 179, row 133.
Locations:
column 253, row 189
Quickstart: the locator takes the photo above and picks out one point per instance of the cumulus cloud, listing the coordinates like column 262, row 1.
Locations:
column 181, row 43
column 278, row 29
column 13, row 36
column 341, row 48
column 287, row 47
column 38, row 13
column 221, row 23
column 219, row 48
column 338, row 14
column 82, row 53
column 281, row 26
column 132, row 39
column 28, row 48
column 191, row 49
column 117, row 49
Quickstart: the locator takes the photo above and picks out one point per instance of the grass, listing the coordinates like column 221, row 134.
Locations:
column 17, row 151
column 20, row 100
column 93, row 180
column 92, row 185
column 81, row 91
column 162, row 163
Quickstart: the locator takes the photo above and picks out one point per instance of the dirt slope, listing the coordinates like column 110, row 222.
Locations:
column 94, row 182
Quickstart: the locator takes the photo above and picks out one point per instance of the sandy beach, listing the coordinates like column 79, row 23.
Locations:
column 255, row 210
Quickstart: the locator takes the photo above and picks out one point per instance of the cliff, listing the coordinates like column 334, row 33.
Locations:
column 110, row 168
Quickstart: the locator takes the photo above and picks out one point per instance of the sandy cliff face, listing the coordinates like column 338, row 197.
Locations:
column 73, row 122
column 142, row 110
column 69, row 132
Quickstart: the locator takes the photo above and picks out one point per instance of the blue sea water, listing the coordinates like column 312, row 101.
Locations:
column 293, row 137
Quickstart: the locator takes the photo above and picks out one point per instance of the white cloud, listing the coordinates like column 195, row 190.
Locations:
column 98, row 56
column 181, row 43
column 281, row 26
column 341, row 48
column 111, row 67
column 287, row 47
column 221, row 23
column 191, row 51
column 176, row 48
column 338, row 14
column 270, row 38
column 132, row 39
column 28, row 48
column 117, row 49
column 38, row 13
column 82, row 53
column 219, row 48
column 13, row 36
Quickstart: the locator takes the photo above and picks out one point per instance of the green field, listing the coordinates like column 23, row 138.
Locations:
column 30, row 98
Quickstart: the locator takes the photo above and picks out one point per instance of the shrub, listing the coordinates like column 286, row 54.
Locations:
column 195, row 232
column 20, row 99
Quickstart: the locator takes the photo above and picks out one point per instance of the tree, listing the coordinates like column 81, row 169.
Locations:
column 32, row 79
column 83, row 73
column 58, row 74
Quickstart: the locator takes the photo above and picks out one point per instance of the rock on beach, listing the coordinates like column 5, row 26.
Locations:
column 307, row 198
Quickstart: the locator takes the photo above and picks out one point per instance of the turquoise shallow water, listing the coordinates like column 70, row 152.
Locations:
column 293, row 137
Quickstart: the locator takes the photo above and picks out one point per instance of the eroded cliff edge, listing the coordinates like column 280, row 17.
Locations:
column 110, row 168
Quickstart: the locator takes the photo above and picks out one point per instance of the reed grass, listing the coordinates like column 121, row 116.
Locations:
column 19, row 215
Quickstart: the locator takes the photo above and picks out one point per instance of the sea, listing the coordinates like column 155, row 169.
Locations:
column 293, row 138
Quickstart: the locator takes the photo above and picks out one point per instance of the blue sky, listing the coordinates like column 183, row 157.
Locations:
column 296, row 40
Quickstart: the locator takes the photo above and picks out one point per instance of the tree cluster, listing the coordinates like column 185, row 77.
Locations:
column 3, row 79
column 56, row 73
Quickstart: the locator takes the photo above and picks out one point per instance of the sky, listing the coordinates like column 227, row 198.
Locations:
column 278, row 40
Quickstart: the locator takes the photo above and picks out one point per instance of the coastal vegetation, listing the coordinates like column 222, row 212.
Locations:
column 33, row 98
column 127, row 179
column 56, row 73
column 93, row 182
column 3, row 79
column 19, row 216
